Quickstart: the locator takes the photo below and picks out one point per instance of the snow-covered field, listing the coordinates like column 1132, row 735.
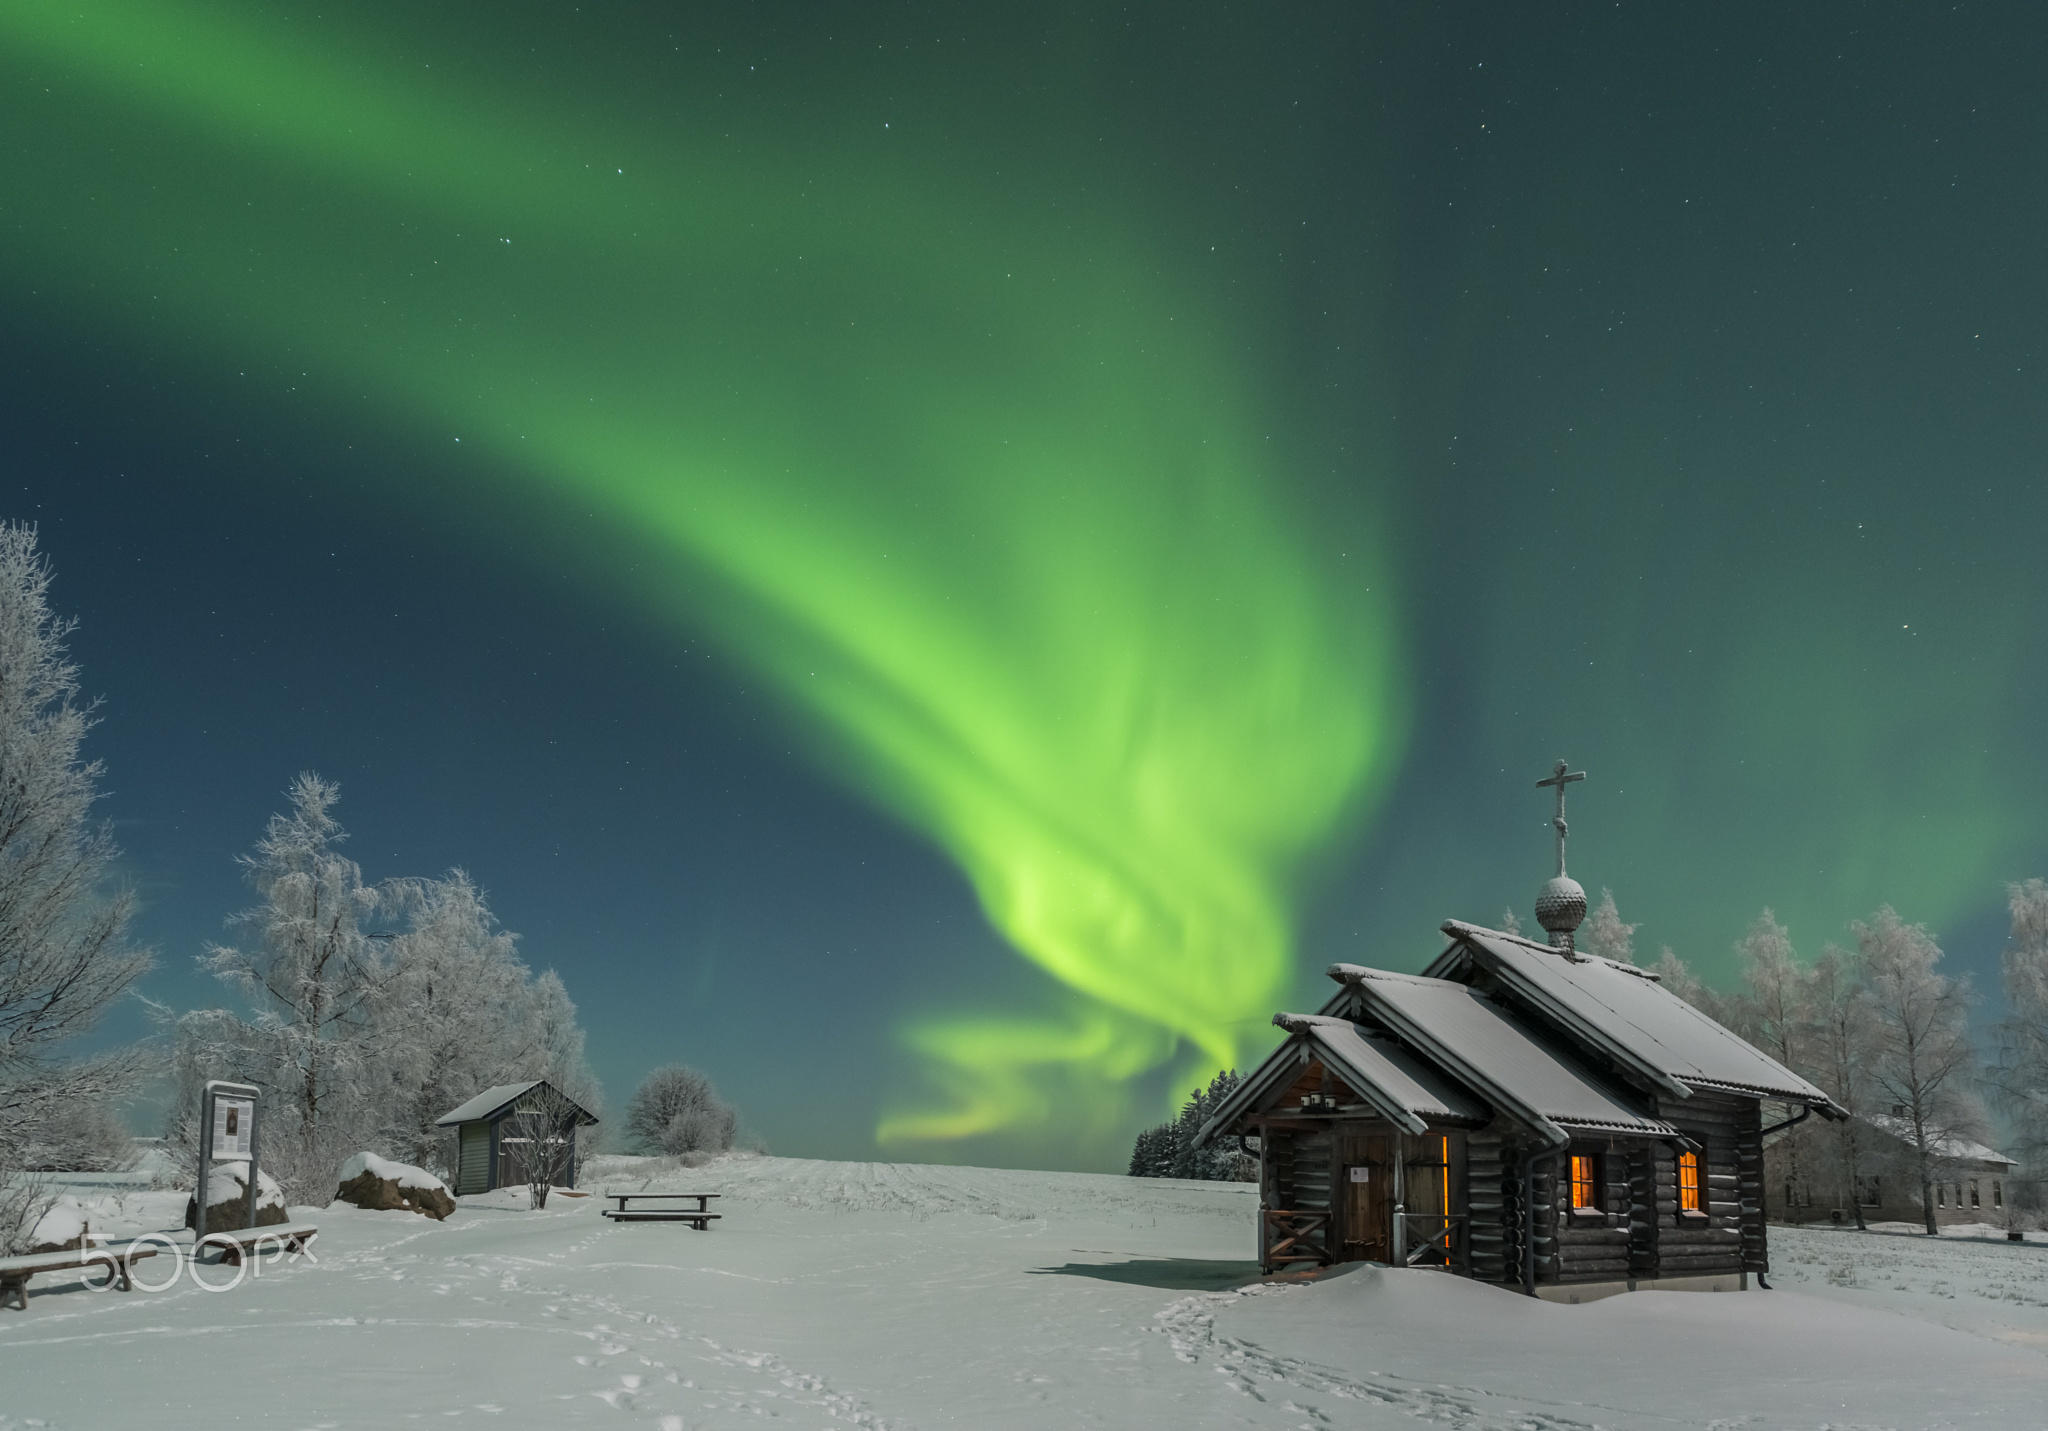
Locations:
column 892, row 1295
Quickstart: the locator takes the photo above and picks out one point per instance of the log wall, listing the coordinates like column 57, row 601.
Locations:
column 1644, row 1221
column 1489, row 1203
column 1724, row 1238
column 1593, row 1246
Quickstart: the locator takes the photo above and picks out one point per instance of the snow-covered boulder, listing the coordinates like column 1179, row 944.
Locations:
column 380, row 1185
column 227, row 1188
column 60, row 1229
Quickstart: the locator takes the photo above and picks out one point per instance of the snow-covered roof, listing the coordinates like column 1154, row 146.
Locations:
column 1392, row 1080
column 1626, row 1014
column 1961, row 1150
column 493, row 1101
column 486, row 1103
column 1375, row 1064
column 1475, row 1041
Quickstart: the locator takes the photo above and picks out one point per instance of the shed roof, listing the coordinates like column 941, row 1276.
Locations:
column 493, row 1101
column 1626, row 1013
column 1477, row 1042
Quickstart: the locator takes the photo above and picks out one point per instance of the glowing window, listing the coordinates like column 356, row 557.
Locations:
column 1582, row 1183
column 1688, row 1182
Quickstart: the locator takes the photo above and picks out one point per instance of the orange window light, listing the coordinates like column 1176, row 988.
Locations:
column 1688, row 1182
column 1582, row 1181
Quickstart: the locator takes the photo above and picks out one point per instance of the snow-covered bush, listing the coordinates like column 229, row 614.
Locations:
column 676, row 1110
column 85, row 1135
column 23, row 1202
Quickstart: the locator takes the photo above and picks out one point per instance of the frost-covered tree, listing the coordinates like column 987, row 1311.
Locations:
column 85, row 1135
column 313, row 966
column 2021, row 1076
column 1772, row 1011
column 557, row 1039
column 676, row 1110
column 371, row 1009
column 1924, row 1060
column 458, row 1016
column 1510, row 922
column 1841, row 1028
column 64, row 951
column 1606, row 934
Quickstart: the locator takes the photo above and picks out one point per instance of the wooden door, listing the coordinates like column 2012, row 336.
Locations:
column 473, row 1159
column 1368, row 1193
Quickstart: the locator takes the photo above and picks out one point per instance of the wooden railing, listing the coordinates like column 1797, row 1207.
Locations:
column 1436, row 1250
column 1295, row 1236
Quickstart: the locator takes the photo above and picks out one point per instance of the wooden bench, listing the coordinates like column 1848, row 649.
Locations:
column 699, row 1217
column 15, row 1271
column 282, row 1237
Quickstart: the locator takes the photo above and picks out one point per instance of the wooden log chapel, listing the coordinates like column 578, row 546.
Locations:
column 1519, row 1113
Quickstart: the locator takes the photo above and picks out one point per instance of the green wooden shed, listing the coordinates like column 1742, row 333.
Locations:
column 493, row 1127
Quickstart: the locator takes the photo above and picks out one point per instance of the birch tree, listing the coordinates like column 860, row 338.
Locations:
column 64, row 952
column 2021, row 1076
column 1842, row 1029
column 312, row 969
column 1924, row 1059
column 458, row 1014
column 1773, row 1011
column 1774, row 992
column 557, row 1040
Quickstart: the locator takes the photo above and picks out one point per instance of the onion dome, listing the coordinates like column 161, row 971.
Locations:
column 1561, row 909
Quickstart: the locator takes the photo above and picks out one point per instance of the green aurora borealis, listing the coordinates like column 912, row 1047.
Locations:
column 1072, row 545
column 1001, row 537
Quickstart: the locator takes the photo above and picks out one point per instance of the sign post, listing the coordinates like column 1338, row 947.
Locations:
column 227, row 1132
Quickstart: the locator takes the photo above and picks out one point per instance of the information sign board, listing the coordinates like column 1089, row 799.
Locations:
column 233, row 1119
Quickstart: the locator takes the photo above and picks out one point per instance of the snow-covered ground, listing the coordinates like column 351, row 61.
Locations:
column 892, row 1295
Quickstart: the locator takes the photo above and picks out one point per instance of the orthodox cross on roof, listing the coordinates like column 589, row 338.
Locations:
column 1562, row 776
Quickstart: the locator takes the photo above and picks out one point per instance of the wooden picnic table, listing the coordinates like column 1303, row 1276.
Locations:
column 699, row 1217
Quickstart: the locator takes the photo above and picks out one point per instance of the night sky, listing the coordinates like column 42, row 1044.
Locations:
column 940, row 567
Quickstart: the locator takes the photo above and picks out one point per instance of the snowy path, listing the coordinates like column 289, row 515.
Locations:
column 903, row 1296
